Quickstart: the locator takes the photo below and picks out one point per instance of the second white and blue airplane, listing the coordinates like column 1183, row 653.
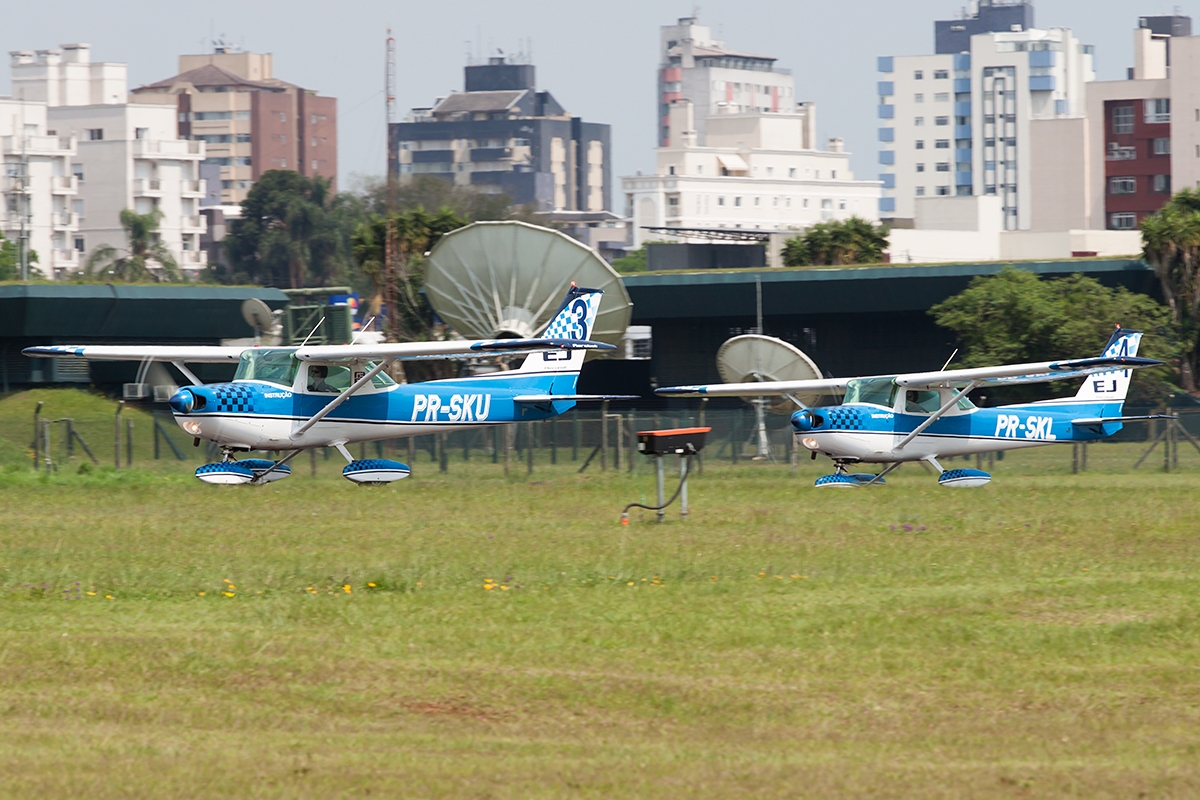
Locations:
column 291, row 399
column 925, row 416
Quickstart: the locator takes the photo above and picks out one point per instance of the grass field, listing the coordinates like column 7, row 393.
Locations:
column 471, row 635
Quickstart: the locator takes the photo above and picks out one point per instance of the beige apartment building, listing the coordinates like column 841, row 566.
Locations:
column 249, row 120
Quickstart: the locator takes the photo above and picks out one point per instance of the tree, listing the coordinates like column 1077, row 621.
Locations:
column 850, row 241
column 293, row 232
column 1015, row 317
column 416, row 232
column 10, row 261
column 1171, row 245
column 145, row 258
column 429, row 191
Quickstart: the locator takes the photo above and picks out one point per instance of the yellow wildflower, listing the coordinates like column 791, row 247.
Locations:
column 227, row 594
column 108, row 597
column 504, row 588
column 420, row 584
column 629, row 584
column 91, row 594
column 200, row 593
column 346, row 588
column 489, row 586
column 371, row 585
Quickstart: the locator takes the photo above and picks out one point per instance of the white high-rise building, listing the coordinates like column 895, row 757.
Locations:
column 38, row 188
column 967, row 123
column 128, row 155
column 736, row 152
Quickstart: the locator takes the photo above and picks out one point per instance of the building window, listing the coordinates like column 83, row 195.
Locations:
column 141, row 133
column 314, row 166
column 841, row 205
column 79, row 243
column 77, row 171
column 920, row 167
column 283, row 116
column 791, row 172
column 941, row 97
column 941, row 121
column 1122, row 119
column 920, row 191
column 700, row 170
column 720, row 201
column 943, row 191
column 920, row 144
column 918, row 75
column 918, row 121
column 737, row 201
column 1162, row 184
column 1158, row 110
column 941, row 74
column 244, row 161
column 1122, row 185
column 943, row 166
column 942, row 144
column 95, row 134
column 770, row 172
column 918, row 98
column 1162, row 147
column 1122, row 222
column 671, row 170
column 756, row 200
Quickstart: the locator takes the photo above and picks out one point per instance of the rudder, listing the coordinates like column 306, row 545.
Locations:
column 575, row 319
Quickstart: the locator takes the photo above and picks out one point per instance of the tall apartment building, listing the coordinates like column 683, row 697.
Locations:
column 969, row 123
column 250, row 120
column 38, row 188
column 694, row 66
column 122, row 155
column 1143, row 135
column 502, row 135
column 736, row 151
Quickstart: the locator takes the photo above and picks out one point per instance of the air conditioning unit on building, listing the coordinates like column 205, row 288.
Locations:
column 134, row 391
column 163, row 392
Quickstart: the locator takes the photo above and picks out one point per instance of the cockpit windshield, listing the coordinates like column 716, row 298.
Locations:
column 878, row 391
column 273, row 365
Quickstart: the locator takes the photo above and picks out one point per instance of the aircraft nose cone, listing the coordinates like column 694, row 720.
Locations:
column 182, row 402
column 802, row 421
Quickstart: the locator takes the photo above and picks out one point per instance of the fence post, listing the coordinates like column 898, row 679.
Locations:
column 632, row 440
column 466, row 439
column 155, row 436
column 129, row 441
column 412, row 450
column 700, row 456
column 70, row 437
column 604, row 436
column 117, row 435
column 495, row 444
column 37, row 433
column 733, row 435
column 443, row 456
column 313, row 453
column 1075, row 458
column 554, row 440
column 575, row 435
column 508, row 437
column 529, row 431
column 50, row 467
column 620, row 420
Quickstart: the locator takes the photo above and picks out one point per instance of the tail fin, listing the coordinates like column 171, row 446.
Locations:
column 1111, row 387
column 575, row 319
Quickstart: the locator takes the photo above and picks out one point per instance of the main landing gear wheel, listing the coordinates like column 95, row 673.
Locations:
column 849, row 479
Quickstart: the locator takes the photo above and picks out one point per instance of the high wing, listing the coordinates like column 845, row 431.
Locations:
column 1011, row 374
column 760, row 389
column 406, row 351
column 338, row 352
column 194, row 354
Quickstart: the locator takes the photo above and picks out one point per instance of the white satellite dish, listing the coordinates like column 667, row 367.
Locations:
column 507, row 279
column 753, row 358
column 258, row 315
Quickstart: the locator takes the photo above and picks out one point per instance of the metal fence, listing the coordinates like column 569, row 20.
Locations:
column 586, row 439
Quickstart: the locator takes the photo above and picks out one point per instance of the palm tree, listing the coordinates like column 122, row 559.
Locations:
column 145, row 259
column 1171, row 245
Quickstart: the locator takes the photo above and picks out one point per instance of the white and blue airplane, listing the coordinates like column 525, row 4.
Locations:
column 291, row 399
column 924, row 416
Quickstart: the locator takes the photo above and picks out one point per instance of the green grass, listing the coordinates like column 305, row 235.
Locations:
column 1037, row 637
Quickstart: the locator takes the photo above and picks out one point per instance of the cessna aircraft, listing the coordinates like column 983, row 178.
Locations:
column 296, row 398
column 923, row 416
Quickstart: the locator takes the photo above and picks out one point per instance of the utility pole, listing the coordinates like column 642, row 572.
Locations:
column 391, row 243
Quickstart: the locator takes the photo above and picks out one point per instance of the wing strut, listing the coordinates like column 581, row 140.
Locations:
column 187, row 373
column 345, row 395
column 935, row 416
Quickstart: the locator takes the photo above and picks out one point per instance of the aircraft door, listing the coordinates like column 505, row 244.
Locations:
column 327, row 379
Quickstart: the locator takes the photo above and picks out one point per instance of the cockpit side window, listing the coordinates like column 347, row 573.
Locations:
column 921, row 402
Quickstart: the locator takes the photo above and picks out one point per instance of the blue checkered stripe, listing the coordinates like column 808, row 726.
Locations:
column 845, row 419
column 234, row 399
column 565, row 325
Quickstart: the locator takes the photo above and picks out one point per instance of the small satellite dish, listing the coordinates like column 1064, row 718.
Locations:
column 257, row 314
column 752, row 358
column 507, row 279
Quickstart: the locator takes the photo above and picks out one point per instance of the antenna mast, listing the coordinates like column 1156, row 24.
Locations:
column 391, row 244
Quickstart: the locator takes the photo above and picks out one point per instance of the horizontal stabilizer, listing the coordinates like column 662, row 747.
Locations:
column 1105, row 420
column 550, row 398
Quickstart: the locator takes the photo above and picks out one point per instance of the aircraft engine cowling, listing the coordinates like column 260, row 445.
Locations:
column 803, row 421
column 183, row 402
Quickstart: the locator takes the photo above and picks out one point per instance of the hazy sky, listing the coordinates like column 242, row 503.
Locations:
column 598, row 59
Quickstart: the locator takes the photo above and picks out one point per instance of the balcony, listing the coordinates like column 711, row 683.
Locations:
column 168, row 148
column 38, row 145
column 1121, row 153
column 64, row 220
column 64, row 184
column 147, row 187
column 194, row 224
column 193, row 188
column 65, row 259
column 193, row 259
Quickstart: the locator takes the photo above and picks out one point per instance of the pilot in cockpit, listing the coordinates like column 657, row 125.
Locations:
column 316, row 379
